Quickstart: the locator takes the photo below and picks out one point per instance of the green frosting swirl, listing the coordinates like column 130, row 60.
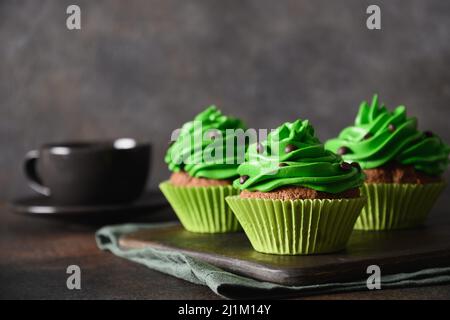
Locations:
column 206, row 135
column 380, row 136
column 304, row 162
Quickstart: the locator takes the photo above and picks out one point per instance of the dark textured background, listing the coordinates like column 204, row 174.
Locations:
column 142, row 68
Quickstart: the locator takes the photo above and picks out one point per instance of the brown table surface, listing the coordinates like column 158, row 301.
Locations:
column 35, row 252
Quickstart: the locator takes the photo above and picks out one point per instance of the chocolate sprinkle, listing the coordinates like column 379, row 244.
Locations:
column 368, row 135
column 259, row 148
column 243, row 179
column 212, row 135
column 391, row 128
column 343, row 150
column 356, row 165
column 282, row 164
column 346, row 166
column 289, row 148
column 428, row 134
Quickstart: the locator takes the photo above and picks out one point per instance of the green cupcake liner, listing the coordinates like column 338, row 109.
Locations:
column 397, row 206
column 202, row 209
column 294, row 227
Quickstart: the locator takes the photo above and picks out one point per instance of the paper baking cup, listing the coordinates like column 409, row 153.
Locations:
column 293, row 227
column 202, row 209
column 397, row 206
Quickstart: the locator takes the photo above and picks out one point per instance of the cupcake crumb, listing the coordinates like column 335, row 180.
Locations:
column 182, row 179
column 297, row 193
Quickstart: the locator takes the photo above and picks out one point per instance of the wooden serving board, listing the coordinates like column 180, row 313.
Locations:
column 394, row 251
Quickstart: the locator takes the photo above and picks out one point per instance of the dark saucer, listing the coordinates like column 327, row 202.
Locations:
column 43, row 206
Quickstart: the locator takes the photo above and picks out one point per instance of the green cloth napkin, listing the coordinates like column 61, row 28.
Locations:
column 229, row 285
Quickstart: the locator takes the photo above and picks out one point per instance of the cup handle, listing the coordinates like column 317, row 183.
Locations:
column 34, row 181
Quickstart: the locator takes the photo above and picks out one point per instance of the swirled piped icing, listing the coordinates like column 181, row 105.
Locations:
column 292, row 156
column 187, row 153
column 380, row 136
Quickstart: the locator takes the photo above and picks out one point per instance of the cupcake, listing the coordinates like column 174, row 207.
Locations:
column 203, row 170
column 296, row 197
column 403, row 166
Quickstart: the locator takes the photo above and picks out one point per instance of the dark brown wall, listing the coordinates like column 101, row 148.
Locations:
column 142, row 68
